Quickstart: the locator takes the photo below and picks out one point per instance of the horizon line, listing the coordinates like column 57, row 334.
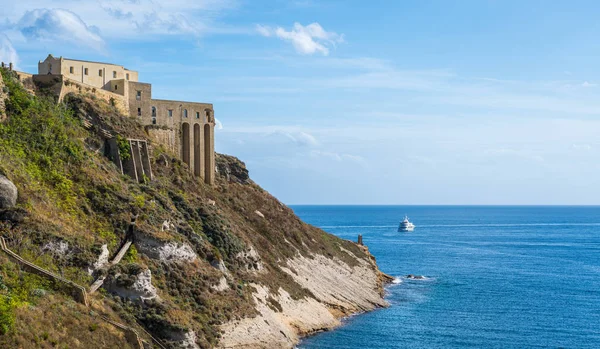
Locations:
column 458, row 205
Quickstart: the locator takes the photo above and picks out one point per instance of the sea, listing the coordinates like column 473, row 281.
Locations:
column 495, row 276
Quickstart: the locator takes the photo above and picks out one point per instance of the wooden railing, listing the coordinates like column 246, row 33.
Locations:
column 79, row 293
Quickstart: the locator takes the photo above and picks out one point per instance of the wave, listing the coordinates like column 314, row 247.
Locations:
column 397, row 281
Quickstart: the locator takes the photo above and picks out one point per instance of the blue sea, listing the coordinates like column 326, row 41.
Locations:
column 496, row 277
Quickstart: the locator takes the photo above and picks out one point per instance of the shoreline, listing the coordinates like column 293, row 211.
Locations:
column 387, row 281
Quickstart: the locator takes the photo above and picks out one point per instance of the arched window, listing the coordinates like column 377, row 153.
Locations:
column 153, row 112
column 209, row 116
column 185, row 113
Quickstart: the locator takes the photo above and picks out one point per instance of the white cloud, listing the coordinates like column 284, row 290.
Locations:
column 300, row 138
column 218, row 124
column 131, row 19
column 307, row 40
column 337, row 156
column 263, row 30
column 588, row 84
column 59, row 25
column 140, row 17
column 8, row 54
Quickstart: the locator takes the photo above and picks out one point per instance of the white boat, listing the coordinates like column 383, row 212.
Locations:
column 405, row 225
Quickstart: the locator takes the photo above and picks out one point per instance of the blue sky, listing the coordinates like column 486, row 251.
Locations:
column 354, row 102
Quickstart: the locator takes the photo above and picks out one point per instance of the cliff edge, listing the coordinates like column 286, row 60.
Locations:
column 183, row 263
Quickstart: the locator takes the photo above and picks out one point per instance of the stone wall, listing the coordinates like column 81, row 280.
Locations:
column 139, row 97
column 60, row 86
column 167, row 137
column 95, row 74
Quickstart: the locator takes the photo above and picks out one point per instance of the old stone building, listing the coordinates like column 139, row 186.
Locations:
column 184, row 127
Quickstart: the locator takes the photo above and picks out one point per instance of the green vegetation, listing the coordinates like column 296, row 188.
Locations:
column 124, row 147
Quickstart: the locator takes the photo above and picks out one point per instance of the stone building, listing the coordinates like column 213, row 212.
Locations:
column 184, row 127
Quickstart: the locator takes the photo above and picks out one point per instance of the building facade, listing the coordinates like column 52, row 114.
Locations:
column 189, row 126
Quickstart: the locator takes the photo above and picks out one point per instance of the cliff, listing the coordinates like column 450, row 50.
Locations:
column 201, row 266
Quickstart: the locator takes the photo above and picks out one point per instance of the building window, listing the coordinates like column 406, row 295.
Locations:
column 127, row 76
column 139, row 111
column 138, row 96
column 170, row 112
column 116, row 87
column 197, row 115
column 153, row 112
column 85, row 71
column 153, row 121
column 71, row 70
column 114, row 74
column 100, row 72
column 185, row 113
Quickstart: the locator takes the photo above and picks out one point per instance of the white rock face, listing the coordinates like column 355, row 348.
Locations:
column 167, row 226
column 185, row 340
column 142, row 289
column 8, row 193
column 339, row 290
column 346, row 287
column 60, row 248
column 172, row 252
column 169, row 252
column 102, row 260
column 189, row 342
column 221, row 286
column 274, row 329
column 221, row 266
column 251, row 259
column 260, row 214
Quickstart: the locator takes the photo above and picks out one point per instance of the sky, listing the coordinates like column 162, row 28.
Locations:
column 361, row 102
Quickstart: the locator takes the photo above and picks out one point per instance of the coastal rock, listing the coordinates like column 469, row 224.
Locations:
column 170, row 252
column 184, row 340
column 102, row 259
column 415, row 277
column 57, row 248
column 232, row 169
column 250, row 259
column 141, row 288
column 339, row 290
column 350, row 288
column 219, row 264
column 8, row 193
column 167, row 226
column 221, row 286
column 280, row 323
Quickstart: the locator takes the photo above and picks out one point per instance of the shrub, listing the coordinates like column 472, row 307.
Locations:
column 124, row 148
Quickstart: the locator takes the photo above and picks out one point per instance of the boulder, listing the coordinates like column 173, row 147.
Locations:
column 8, row 193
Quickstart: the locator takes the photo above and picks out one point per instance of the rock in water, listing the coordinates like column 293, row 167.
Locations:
column 8, row 193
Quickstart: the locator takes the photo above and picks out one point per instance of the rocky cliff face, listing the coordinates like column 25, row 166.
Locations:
column 210, row 266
